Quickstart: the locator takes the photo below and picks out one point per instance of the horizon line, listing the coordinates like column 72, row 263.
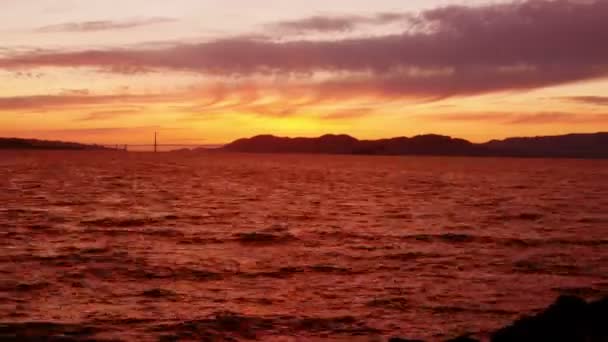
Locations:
column 218, row 145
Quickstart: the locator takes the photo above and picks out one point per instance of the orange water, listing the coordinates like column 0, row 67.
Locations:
column 143, row 246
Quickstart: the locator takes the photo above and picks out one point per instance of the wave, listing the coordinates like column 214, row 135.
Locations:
column 262, row 238
column 34, row 286
column 525, row 216
column 392, row 303
column 453, row 309
column 230, row 325
column 46, row 331
column 121, row 222
column 410, row 256
column 286, row 272
column 159, row 293
column 458, row 238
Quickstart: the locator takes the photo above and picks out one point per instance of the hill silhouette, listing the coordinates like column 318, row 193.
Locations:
column 593, row 145
column 34, row 144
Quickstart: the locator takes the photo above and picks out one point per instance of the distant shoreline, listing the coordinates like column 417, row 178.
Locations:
column 583, row 146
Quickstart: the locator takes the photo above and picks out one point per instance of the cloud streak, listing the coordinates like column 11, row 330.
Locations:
column 109, row 114
column 63, row 101
column 540, row 118
column 103, row 25
column 327, row 24
column 591, row 100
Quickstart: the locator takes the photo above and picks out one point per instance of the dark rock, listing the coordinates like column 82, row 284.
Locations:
column 597, row 314
column 569, row 319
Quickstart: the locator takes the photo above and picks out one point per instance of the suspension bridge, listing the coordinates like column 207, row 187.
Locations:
column 155, row 147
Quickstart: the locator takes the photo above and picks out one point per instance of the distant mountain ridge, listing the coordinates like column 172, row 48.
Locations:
column 593, row 145
column 35, row 144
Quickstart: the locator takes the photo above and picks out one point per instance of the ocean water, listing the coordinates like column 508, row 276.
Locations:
column 135, row 246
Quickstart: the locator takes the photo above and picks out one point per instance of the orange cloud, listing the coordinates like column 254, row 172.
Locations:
column 540, row 118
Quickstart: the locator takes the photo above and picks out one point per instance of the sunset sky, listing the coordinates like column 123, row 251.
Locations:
column 207, row 71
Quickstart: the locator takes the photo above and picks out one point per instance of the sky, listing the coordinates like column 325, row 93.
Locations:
column 211, row 71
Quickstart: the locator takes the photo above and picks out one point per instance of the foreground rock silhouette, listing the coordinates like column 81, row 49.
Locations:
column 569, row 319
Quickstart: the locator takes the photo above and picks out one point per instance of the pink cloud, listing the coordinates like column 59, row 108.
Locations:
column 461, row 51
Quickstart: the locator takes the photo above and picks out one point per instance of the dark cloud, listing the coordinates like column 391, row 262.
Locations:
column 337, row 23
column 27, row 75
column 319, row 24
column 461, row 51
column 103, row 25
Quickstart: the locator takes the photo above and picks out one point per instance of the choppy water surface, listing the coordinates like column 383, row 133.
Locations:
column 145, row 246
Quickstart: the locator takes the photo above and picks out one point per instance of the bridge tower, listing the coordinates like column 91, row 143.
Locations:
column 155, row 142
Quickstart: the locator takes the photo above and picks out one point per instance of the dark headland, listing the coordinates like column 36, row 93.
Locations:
column 35, row 144
column 594, row 145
